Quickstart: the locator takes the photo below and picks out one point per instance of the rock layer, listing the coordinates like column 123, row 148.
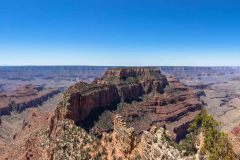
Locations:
column 174, row 110
column 25, row 97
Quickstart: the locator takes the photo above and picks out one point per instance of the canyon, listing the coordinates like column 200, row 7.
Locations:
column 124, row 113
column 24, row 88
column 134, row 100
column 25, row 97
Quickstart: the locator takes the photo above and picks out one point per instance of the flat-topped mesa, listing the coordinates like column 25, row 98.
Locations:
column 149, row 78
column 123, row 73
column 117, row 75
column 83, row 98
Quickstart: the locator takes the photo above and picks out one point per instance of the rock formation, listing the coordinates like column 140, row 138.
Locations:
column 153, row 146
column 116, row 85
column 90, row 97
column 124, row 137
column 147, row 99
column 164, row 103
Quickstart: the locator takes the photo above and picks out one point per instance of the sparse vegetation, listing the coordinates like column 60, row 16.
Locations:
column 187, row 146
column 105, row 122
column 170, row 141
column 216, row 144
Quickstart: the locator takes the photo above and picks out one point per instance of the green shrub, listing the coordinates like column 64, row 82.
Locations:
column 187, row 146
column 216, row 143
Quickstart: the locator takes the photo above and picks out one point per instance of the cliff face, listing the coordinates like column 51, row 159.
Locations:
column 82, row 103
column 116, row 85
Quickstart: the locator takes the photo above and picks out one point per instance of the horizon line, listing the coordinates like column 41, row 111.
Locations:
column 119, row 65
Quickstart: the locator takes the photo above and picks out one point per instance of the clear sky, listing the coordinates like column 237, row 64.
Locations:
column 120, row 32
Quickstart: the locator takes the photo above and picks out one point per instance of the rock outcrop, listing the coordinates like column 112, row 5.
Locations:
column 116, row 85
column 154, row 146
column 124, row 137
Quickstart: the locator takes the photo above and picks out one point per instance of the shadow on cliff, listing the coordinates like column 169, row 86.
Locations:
column 101, row 119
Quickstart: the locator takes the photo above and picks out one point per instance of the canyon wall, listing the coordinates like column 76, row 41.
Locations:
column 90, row 98
column 25, row 97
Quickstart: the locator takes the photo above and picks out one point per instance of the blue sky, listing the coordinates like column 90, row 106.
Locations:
column 120, row 32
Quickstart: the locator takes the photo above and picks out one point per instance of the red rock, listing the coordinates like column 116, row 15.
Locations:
column 175, row 109
column 115, row 86
column 58, row 137
column 25, row 97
